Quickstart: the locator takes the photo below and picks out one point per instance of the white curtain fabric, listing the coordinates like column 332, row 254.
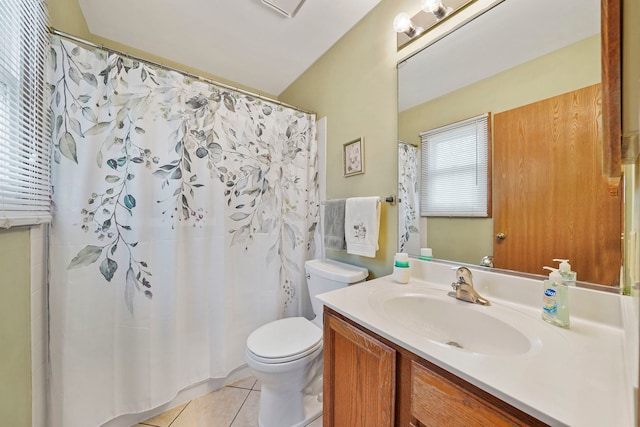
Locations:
column 183, row 214
column 408, row 198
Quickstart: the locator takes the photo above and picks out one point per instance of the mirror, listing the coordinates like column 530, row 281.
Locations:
column 516, row 54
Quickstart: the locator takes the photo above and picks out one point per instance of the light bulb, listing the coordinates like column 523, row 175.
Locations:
column 436, row 7
column 402, row 23
column 430, row 5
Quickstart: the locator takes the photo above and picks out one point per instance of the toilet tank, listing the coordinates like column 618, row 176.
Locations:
column 324, row 275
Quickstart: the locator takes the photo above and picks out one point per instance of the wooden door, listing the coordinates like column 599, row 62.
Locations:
column 359, row 377
column 550, row 199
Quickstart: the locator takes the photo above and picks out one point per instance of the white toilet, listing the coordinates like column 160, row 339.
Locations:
column 286, row 354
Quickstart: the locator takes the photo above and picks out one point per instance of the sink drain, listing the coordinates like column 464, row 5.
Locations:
column 454, row 344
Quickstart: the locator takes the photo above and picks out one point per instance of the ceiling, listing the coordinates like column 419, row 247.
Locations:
column 508, row 35
column 243, row 41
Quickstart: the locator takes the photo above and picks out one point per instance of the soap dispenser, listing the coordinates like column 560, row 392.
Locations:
column 568, row 276
column 555, row 299
column 401, row 268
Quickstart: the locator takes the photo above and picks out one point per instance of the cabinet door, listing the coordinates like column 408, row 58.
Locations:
column 359, row 377
column 436, row 401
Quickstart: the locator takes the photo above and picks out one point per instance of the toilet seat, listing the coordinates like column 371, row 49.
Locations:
column 284, row 340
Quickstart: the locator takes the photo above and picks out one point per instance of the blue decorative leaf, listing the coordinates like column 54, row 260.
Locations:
column 73, row 74
column 97, row 128
column 67, row 147
column 75, row 126
column 160, row 173
column 177, row 174
column 90, row 78
column 88, row 114
column 129, row 201
column 112, row 164
column 202, row 152
column 108, row 267
column 88, row 255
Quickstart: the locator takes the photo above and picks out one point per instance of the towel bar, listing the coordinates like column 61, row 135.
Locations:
column 389, row 199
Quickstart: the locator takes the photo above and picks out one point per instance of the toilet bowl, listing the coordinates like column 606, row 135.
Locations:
column 286, row 354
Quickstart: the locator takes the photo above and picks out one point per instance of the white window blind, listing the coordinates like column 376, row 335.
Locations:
column 455, row 169
column 25, row 187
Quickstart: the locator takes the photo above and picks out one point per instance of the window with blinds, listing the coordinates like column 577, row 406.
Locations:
column 455, row 170
column 25, row 187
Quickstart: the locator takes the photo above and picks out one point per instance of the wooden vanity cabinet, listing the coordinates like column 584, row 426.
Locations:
column 369, row 381
column 359, row 377
column 438, row 401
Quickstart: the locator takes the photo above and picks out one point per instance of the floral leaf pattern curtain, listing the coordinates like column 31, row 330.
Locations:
column 408, row 199
column 154, row 170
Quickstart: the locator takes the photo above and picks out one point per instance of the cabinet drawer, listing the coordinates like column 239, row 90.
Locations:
column 437, row 401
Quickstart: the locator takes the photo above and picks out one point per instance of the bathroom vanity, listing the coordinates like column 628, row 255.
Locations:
column 410, row 355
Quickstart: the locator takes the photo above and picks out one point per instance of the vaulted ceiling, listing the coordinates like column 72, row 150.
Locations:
column 243, row 41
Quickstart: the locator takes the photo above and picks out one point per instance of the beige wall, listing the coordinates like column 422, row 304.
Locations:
column 562, row 71
column 355, row 86
column 15, row 328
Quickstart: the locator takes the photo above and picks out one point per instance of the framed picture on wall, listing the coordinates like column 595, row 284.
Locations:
column 353, row 157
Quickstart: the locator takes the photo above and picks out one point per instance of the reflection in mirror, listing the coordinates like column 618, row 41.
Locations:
column 515, row 55
column 408, row 198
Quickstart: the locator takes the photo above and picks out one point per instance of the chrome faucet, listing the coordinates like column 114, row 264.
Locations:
column 463, row 288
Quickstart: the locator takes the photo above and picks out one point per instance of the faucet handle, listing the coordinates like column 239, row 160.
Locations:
column 464, row 275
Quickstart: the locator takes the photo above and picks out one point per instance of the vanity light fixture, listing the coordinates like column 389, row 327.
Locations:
column 432, row 13
column 402, row 24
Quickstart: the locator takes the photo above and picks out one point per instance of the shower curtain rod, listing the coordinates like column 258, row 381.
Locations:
column 166, row 67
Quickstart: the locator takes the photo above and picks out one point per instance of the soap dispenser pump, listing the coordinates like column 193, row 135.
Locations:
column 555, row 299
column 568, row 276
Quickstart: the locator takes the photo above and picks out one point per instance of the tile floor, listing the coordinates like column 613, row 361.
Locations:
column 235, row 405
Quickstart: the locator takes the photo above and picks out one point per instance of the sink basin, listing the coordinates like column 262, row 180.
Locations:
column 456, row 324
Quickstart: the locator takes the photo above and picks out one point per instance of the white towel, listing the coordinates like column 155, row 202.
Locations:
column 362, row 225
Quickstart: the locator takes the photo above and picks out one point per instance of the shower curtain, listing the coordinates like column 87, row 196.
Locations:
column 408, row 198
column 183, row 214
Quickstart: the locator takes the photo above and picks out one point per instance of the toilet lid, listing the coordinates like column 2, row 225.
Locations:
column 288, row 339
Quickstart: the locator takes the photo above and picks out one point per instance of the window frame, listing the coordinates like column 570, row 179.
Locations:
column 445, row 135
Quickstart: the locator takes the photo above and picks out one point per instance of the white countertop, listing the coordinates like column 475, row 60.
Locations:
column 583, row 376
